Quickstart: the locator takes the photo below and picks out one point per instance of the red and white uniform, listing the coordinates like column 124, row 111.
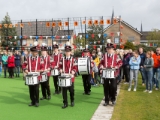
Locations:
column 32, row 61
column 107, row 61
column 45, row 64
column 68, row 66
column 55, row 59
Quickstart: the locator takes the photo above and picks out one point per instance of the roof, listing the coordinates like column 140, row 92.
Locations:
column 42, row 30
column 145, row 34
column 127, row 25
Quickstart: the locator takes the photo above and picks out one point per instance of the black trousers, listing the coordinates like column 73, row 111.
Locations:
column 11, row 71
column 86, row 83
column 64, row 93
column 126, row 72
column 110, row 87
column 55, row 81
column 34, row 93
column 45, row 88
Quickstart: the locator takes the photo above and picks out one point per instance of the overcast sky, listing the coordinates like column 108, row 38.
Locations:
column 131, row 11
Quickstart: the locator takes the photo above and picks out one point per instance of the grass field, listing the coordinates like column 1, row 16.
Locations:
column 137, row 105
column 14, row 100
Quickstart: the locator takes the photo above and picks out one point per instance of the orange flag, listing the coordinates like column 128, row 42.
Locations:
column 10, row 25
column 66, row 23
column 16, row 25
column 5, row 25
column 0, row 25
column 29, row 23
column 89, row 22
column 21, row 25
column 95, row 22
column 60, row 24
column 83, row 22
column 114, row 21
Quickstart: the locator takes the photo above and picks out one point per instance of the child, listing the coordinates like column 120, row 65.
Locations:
column 134, row 68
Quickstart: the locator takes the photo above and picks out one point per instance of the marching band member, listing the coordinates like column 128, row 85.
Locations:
column 110, row 60
column 68, row 65
column 55, row 65
column 87, row 78
column 45, row 60
column 32, row 64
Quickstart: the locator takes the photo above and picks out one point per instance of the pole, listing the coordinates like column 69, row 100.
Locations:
column 36, row 27
column 85, row 33
column 68, row 29
column 102, row 36
column 21, row 37
column 119, row 31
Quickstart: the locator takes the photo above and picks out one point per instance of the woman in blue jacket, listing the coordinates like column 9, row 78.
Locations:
column 134, row 68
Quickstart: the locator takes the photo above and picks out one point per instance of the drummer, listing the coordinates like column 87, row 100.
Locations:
column 45, row 62
column 110, row 60
column 68, row 65
column 87, row 78
column 29, row 65
column 55, row 65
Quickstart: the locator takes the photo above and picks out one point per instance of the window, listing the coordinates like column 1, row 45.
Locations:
column 131, row 38
column 24, row 42
column 116, row 40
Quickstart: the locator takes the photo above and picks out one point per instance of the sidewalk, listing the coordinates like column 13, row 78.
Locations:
column 102, row 112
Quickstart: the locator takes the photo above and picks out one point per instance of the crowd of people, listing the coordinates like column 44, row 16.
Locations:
column 127, row 63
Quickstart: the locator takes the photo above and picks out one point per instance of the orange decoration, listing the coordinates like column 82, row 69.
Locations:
column 114, row 21
column 121, row 27
column 75, row 23
column 66, row 23
column 53, row 24
column 121, row 34
column 60, row 24
column 121, row 40
column 47, row 24
column 95, row 22
column 5, row 25
column 21, row 25
column 16, row 25
column 122, row 46
column 101, row 22
column 0, row 25
column 108, row 21
column 89, row 22
column 10, row 25
column 29, row 23
column 84, row 22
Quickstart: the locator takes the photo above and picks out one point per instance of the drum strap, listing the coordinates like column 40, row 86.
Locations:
column 106, row 59
column 69, row 65
column 46, row 62
column 30, row 64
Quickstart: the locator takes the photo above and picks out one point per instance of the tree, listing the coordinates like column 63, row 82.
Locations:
column 154, row 37
column 129, row 45
column 8, row 32
column 79, row 42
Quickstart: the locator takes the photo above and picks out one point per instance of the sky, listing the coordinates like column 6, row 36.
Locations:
column 132, row 11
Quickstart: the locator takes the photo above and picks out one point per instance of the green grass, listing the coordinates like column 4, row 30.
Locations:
column 14, row 100
column 137, row 105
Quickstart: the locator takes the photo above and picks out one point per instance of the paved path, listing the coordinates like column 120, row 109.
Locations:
column 102, row 112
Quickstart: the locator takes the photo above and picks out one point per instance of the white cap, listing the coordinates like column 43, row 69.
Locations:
column 108, row 40
column 35, row 43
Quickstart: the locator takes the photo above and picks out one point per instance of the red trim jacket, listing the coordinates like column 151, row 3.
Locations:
column 67, row 65
column 43, row 64
column 26, row 65
column 54, row 60
column 106, row 61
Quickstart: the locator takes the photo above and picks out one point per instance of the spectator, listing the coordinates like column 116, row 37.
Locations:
column 134, row 67
column 24, row 58
column 126, row 67
column 99, row 53
column 17, row 63
column 156, row 68
column 143, row 57
column 95, row 68
column 0, row 64
column 4, row 61
column 11, row 64
column 148, row 69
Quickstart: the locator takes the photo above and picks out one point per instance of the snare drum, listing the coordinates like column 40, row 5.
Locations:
column 44, row 77
column 54, row 72
column 64, row 80
column 32, row 79
column 84, row 66
column 108, row 73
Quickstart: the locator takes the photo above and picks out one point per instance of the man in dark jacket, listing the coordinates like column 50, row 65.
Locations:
column 17, row 63
column 143, row 57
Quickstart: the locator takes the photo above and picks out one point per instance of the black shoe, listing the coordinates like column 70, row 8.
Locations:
column 4, row 76
column 105, row 104
column 37, row 104
column 113, row 102
column 31, row 104
column 64, row 106
column 55, row 93
column 49, row 97
column 72, row 104
column 42, row 98
column 59, row 92
column 16, row 75
column 86, row 93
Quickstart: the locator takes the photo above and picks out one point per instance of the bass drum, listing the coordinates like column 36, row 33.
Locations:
column 84, row 66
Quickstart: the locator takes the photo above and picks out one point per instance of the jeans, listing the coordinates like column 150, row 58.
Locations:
column 142, row 71
column 17, row 70
column 133, row 74
column 148, row 78
column 5, row 67
column 156, row 77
